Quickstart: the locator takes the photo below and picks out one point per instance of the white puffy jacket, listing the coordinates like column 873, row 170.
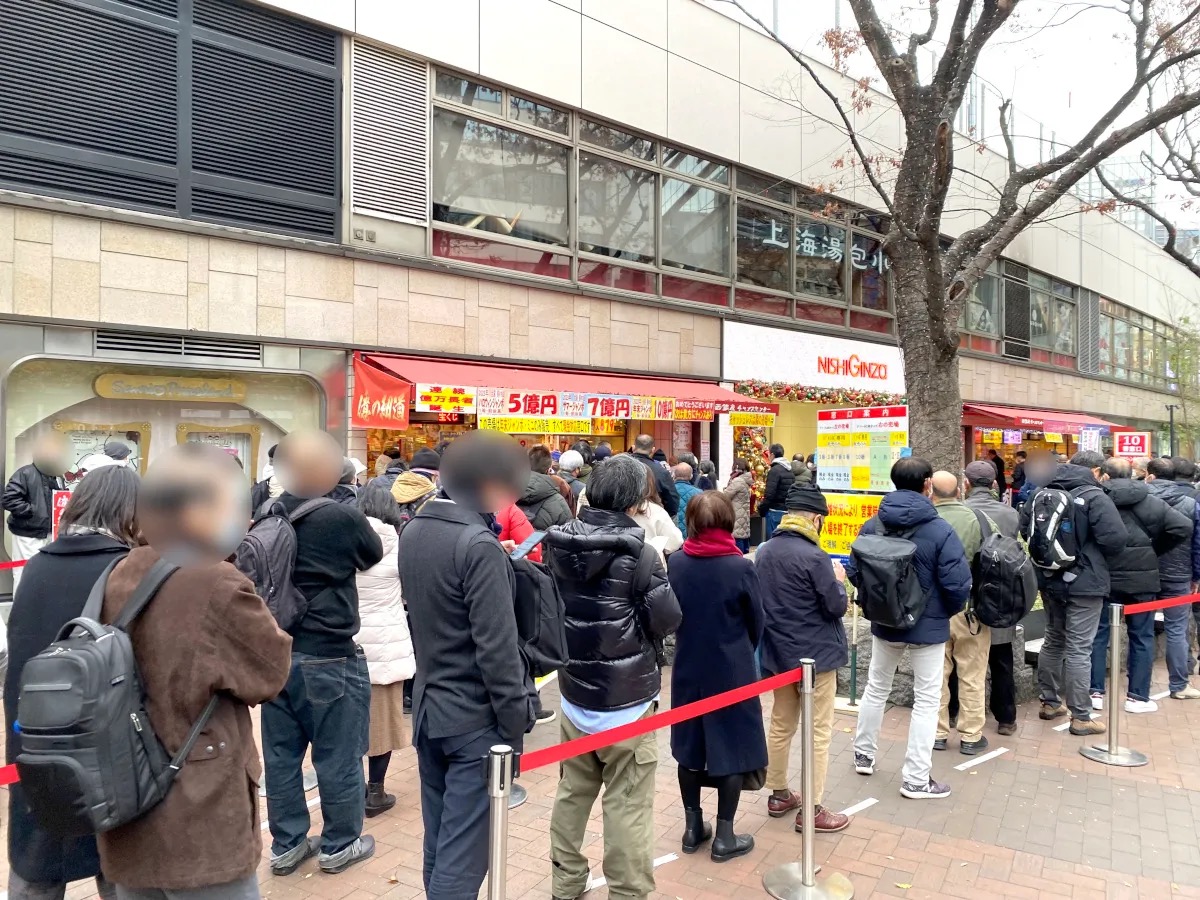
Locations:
column 383, row 632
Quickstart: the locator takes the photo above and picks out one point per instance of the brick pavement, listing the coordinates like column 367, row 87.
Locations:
column 1037, row 821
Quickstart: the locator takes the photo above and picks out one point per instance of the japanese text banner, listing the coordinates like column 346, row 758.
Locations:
column 380, row 400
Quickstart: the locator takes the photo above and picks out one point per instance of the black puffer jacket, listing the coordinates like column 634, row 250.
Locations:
column 613, row 624
column 1175, row 566
column 542, row 504
column 28, row 498
column 1153, row 528
column 780, row 479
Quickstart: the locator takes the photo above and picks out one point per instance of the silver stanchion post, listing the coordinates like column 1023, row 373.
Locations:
column 799, row 881
column 1112, row 753
column 499, row 776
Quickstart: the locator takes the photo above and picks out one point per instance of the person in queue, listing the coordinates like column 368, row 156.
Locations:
column 418, row 483
column 945, row 576
column 619, row 610
column 967, row 648
column 472, row 690
column 325, row 703
column 644, row 451
column 1017, row 482
column 684, row 484
column 385, row 640
column 98, row 526
column 718, row 593
column 779, row 482
column 804, row 600
column 1073, row 598
column 542, row 501
column 588, row 455
column 1154, row 528
column 1174, row 573
column 29, row 499
column 708, row 476
column 394, row 468
column 570, row 469
column 661, row 531
column 689, row 458
column 740, row 491
column 205, row 632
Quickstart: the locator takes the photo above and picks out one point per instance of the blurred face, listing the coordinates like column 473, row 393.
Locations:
column 50, row 454
column 495, row 496
column 308, row 463
column 207, row 511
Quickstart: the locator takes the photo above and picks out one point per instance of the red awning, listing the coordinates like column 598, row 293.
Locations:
column 1040, row 419
column 500, row 375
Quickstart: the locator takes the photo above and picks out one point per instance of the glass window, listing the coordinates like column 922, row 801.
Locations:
column 695, row 291
column 1064, row 327
column 1063, row 289
column 1040, row 319
column 619, row 277
column 870, row 266
column 616, row 208
column 1149, row 364
column 1121, row 348
column 815, row 312
column 617, row 141
column 819, row 204
column 539, row 115
column 484, row 252
column 872, row 221
column 764, row 248
column 494, row 179
column 1106, row 345
column 695, row 166
column 869, row 322
column 982, row 313
column 469, row 93
column 695, row 227
column 1039, row 281
column 820, row 251
column 762, row 186
column 753, row 301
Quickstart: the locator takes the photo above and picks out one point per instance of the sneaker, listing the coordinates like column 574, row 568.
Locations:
column 332, row 863
column 825, row 821
column 1087, row 726
column 1006, row 728
column 1188, row 693
column 863, row 764
column 1138, row 707
column 287, row 863
column 1053, row 711
column 1098, row 701
column 970, row 748
column 546, row 716
column 778, row 807
column 933, row 790
column 939, row 743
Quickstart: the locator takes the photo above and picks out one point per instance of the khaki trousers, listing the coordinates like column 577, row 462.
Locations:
column 969, row 652
column 785, row 718
column 626, row 771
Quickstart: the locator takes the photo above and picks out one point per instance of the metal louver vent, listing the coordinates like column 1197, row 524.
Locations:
column 1089, row 333
column 175, row 345
column 390, row 156
column 261, row 26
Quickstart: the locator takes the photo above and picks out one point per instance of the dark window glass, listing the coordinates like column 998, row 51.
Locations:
column 753, row 301
column 1123, row 342
column 1064, row 327
column 867, row 322
column 1106, row 345
column 616, row 208
column 480, row 250
column 1040, row 319
column 872, row 221
column 695, row 291
column 1016, row 270
column 764, row 187
column 820, row 204
column 494, row 179
column 539, row 115
column 695, row 227
column 695, row 166
column 763, row 247
column 619, row 277
column 469, row 93
column 816, row 312
column 617, row 141
column 869, row 270
column 982, row 311
column 820, row 260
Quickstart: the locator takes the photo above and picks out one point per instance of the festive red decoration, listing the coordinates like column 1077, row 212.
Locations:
column 777, row 391
column 751, row 444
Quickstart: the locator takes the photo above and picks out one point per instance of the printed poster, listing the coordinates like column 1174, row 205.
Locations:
column 856, row 448
column 847, row 513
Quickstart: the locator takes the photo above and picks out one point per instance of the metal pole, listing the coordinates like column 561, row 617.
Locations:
column 1171, row 412
column 854, row 654
column 1112, row 753
column 499, row 772
column 799, row 882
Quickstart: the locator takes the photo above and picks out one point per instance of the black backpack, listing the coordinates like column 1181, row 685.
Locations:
column 90, row 760
column 888, row 589
column 1052, row 532
column 267, row 556
column 1004, row 585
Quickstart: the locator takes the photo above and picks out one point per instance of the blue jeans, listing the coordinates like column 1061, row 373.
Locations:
column 1175, row 621
column 326, row 705
column 1140, row 631
column 773, row 518
column 743, row 544
column 1063, row 664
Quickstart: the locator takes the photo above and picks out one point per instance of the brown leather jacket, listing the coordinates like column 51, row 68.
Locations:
column 206, row 631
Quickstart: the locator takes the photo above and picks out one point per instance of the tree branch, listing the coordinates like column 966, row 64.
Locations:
column 1170, row 247
column 920, row 40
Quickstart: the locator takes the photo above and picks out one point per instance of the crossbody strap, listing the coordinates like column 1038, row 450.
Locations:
column 193, row 736
column 95, row 600
column 144, row 593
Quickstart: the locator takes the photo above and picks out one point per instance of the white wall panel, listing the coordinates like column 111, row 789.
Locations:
column 645, row 19
column 767, row 67
column 771, row 137
column 634, row 92
column 703, row 36
column 702, row 108
column 446, row 31
column 532, row 44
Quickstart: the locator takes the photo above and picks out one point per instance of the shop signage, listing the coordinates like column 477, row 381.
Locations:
column 992, row 435
column 444, row 398
column 754, row 352
column 857, row 447
column 1053, row 437
column 694, row 410
column 1131, row 444
column 1012, row 437
column 58, row 503
column 1089, row 439
column 608, row 426
column 532, row 425
column 746, row 406
column 752, row 419
column 610, row 406
column 380, row 400
column 117, row 386
column 847, row 513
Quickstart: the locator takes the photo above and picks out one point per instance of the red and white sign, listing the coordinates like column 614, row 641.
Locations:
column 380, row 399
column 1131, row 444
column 59, row 501
column 746, row 406
column 444, row 398
column 816, row 360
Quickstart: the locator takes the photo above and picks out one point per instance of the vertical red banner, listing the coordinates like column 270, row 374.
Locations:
column 380, row 400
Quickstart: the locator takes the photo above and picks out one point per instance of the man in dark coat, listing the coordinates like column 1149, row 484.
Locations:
column 780, row 479
column 1175, row 577
column 542, row 502
column 1073, row 598
column 1018, row 476
column 804, row 599
column 643, row 452
column 1154, row 528
column 998, row 461
column 945, row 576
column 471, row 688
column 29, row 499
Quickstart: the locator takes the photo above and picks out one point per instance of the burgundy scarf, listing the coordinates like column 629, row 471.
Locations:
column 711, row 542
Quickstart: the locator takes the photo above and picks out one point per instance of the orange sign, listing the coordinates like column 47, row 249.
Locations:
column 380, row 400
column 694, row 410
column 444, row 398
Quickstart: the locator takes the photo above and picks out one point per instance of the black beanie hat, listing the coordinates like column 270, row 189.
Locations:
column 806, row 498
column 426, row 459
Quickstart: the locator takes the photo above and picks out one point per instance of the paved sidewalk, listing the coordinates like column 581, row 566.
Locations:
column 1036, row 821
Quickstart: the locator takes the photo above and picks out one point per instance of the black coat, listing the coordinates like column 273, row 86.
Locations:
column 29, row 500
column 470, row 674
column 665, row 482
column 542, row 504
column 54, row 589
column 613, row 624
column 1175, row 566
column 714, row 652
column 803, row 605
column 780, row 479
column 1154, row 528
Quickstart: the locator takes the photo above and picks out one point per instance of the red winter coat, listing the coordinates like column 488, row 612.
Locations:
column 515, row 527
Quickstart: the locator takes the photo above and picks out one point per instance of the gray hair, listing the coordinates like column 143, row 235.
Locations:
column 571, row 461
column 1089, row 459
column 1116, row 468
column 617, row 484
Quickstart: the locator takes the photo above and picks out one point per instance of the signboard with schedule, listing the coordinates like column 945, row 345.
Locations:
column 857, row 447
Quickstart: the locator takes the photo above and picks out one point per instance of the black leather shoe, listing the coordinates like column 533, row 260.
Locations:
column 939, row 744
column 695, row 830
column 727, row 845
column 970, row 748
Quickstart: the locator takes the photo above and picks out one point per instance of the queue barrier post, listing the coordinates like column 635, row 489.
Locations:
column 1112, row 753
column 499, row 778
column 799, row 881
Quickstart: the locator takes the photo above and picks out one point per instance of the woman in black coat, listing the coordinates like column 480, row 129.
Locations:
column 718, row 593
column 97, row 527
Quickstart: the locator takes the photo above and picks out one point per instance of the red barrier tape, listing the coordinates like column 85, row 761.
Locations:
column 1151, row 605
column 15, row 564
column 590, row 743
column 8, row 775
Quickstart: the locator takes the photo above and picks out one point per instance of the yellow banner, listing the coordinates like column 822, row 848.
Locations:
column 752, row 419
column 528, row 425
column 847, row 513
column 1053, row 437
